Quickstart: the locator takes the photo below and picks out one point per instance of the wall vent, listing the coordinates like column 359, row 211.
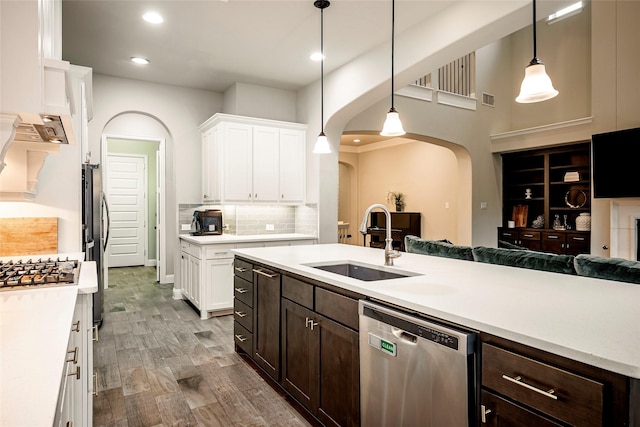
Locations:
column 488, row 99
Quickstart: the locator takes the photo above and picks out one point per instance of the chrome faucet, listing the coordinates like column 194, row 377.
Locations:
column 389, row 252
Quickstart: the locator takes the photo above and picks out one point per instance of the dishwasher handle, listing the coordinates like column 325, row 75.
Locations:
column 404, row 336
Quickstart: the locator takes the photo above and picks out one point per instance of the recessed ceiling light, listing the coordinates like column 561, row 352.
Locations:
column 317, row 56
column 139, row 60
column 356, row 140
column 153, row 18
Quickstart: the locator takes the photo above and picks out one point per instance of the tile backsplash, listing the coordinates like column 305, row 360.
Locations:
column 245, row 220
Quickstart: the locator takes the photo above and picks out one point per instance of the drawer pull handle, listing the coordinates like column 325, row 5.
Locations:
column 241, row 338
column 263, row 273
column 76, row 373
column 76, row 327
column 506, row 234
column 74, row 359
column 95, row 383
column 528, row 235
column 483, row 413
column 518, row 380
column 240, row 314
column 553, row 237
column 96, row 338
column 241, row 290
column 241, row 269
column 578, row 238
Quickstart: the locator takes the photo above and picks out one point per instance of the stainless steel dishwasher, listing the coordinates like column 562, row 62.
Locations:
column 414, row 372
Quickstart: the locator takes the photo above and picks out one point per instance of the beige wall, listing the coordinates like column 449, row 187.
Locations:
column 427, row 174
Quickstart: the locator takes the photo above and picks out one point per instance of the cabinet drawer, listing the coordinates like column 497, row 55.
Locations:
column 577, row 238
column 498, row 412
column 184, row 246
column 243, row 290
column 561, row 394
column 243, row 338
column 194, row 250
column 529, row 235
column 243, row 269
column 218, row 251
column 553, row 237
column 337, row 307
column 297, row 291
column 243, row 314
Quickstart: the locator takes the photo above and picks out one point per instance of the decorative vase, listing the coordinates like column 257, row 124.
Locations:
column 399, row 207
column 583, row 222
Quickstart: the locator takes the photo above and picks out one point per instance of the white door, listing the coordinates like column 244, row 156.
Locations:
column 126, row 183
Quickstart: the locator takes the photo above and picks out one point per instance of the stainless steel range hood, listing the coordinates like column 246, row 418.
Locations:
column 51, row 131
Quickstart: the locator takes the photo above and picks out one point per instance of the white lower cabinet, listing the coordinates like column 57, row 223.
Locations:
column 75, row 401
column 206, row 273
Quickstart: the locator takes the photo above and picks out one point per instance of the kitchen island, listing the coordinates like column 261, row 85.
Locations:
column 590, row 321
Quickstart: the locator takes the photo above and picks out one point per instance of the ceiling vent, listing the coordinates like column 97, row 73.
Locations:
column 488, row 99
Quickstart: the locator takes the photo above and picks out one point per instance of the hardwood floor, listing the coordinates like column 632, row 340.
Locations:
column 158, row 364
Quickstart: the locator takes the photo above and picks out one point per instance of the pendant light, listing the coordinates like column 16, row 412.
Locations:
column 392, row 125
column 322, row 143
column 536, row 85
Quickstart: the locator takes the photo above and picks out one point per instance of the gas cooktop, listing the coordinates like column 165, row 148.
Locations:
column 35, row 273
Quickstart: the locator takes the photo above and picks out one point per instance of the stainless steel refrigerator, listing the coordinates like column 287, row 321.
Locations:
column 95, row 230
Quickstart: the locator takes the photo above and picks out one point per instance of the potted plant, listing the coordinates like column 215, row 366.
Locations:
column 397, row 198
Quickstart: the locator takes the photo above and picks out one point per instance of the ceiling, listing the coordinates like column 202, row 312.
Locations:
column 213, row 44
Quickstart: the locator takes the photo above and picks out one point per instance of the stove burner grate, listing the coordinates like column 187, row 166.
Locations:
column 27, row 274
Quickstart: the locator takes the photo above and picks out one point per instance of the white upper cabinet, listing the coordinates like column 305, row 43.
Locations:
column 248, row 160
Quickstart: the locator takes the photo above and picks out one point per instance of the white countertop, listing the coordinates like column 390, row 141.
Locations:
column 593, row 321
column 232, row 238
column 34, row 332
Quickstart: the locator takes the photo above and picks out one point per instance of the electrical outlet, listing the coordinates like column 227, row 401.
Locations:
column 483, row 205
column 185, row 227
column 270, row 227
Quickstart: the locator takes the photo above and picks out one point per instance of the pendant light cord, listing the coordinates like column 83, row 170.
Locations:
column 393, row 23
column 535, row 54
column 322, row 69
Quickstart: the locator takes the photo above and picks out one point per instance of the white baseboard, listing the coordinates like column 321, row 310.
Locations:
column 177, row 294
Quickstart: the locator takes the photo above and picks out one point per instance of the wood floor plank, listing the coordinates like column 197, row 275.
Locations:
column 162, row 381
column 134, row 381
column 196, row 391
column 142, row 410
column 212, row 415
column 104, row 355
column 108, row 407
column 175, row 411
column 108, row 376
column 128, row 358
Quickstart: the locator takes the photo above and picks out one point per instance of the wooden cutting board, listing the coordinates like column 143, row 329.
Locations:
column 25, row 236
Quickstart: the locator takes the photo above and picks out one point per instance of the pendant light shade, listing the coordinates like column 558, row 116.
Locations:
column 322, row 143
column 536, row 85
column 392, row 125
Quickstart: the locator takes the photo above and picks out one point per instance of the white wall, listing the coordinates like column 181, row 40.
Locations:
column 243, row 99
column 153, row 110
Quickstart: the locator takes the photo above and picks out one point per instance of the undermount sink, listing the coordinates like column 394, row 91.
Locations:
column 360, row 271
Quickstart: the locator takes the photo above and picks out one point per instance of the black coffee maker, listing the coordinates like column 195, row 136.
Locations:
column 207, row 222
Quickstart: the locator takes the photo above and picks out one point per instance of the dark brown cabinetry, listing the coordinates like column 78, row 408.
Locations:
column 266, row 320
column 555, row 241
column 402, row 224
column 243, row 305
column 320, row 356
column 548, row 184
column 525, row 386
